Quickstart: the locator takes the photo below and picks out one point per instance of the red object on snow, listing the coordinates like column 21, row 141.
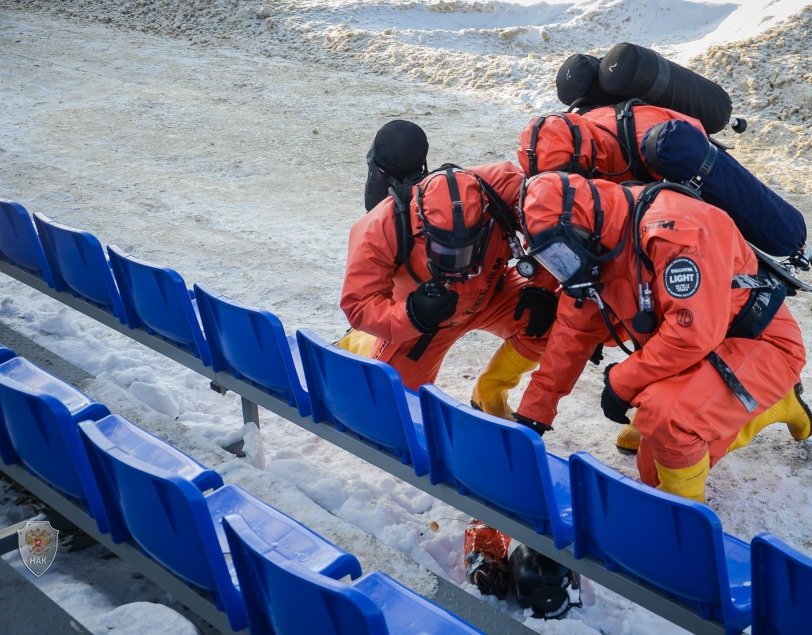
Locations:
column 486, row 559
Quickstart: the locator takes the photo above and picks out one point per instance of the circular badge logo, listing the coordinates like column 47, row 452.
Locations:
column 682, row 278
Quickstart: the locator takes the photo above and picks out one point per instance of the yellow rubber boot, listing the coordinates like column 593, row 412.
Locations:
column 688, row 482
column 791, row 410
column 500, row 375
column 629, row 438
column 357, row 342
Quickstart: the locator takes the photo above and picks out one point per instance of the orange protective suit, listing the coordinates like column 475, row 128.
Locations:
column 685, row 409
column 375, row 290
column 600, row 149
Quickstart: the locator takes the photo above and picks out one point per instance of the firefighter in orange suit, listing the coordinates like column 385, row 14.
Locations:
column 596, row 144
column 717, row 355
column 420, row 286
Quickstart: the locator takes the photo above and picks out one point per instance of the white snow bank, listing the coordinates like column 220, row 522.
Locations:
column 137, row 618
column 510, row 49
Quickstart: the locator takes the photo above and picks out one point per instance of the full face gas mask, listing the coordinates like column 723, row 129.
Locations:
column 572, row 253
column 455, row 254
column 397, row 157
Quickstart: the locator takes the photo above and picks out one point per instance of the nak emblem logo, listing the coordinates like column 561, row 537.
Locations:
column 38, row 543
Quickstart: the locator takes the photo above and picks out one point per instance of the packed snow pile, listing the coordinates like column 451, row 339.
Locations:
column 769, row 78
column 512, row 50
column 509, row 49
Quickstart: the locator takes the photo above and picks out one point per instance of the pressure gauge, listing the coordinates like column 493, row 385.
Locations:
column 527, row 267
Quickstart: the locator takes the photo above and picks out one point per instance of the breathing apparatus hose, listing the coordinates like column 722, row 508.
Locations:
column 605, row 309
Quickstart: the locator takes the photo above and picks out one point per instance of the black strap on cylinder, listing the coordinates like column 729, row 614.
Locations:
column 661, row 83
column 698, row 179
column 653, row 159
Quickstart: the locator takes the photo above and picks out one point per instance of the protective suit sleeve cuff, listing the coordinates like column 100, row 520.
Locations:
column 618, row 384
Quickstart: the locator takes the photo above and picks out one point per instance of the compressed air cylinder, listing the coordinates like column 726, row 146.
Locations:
column 765, row 220
column 629, row 71
column 578, row 79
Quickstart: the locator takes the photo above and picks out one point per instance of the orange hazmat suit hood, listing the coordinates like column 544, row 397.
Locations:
column 549, row 143
column 450, row 205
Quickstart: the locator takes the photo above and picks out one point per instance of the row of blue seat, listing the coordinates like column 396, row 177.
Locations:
column 578, row 501
column 263, row 569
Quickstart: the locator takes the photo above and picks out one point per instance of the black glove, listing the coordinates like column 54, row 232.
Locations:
column 430, row 305
column 614, row 408
column 542, row 305
column 541, row 428
column 597, row 355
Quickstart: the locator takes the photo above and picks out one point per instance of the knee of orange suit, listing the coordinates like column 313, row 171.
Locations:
column 688, row 482
column 357, row 342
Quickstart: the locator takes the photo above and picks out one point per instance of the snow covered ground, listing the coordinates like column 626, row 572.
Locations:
column 234, row 154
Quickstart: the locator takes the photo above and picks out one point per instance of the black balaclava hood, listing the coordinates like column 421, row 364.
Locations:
column 397, row 155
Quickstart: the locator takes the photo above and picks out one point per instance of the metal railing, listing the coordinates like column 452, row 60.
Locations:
column 653, row 599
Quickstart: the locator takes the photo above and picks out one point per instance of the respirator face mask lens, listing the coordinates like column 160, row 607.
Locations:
column 455, row 257
column 559, row 260
column 563, row 253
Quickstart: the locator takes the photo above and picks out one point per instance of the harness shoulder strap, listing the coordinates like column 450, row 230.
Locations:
column 402, row 196
column 626, row 130
column 644, row 201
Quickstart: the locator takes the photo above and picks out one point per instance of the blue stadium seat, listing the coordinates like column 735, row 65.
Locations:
column 156, row 298
column 502, row 462
column 38, row 426
column 782, row 579
column 284, row 598
column 160, row 493
column 251, row 344
column 79, row 266
column 6, row 354
column 672, row 543
column 365, row 397
column 19, row 242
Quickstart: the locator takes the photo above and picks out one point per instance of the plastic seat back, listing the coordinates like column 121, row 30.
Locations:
column 673, row 543
column 156, row 298
column 361, row 395
column 19, row 242
column 502, row 462
column 159, row 495
column 78, row 265
column 39, row 417
column 782, row 578
column 276, row 590
column 251, row 344
column 6, row 354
